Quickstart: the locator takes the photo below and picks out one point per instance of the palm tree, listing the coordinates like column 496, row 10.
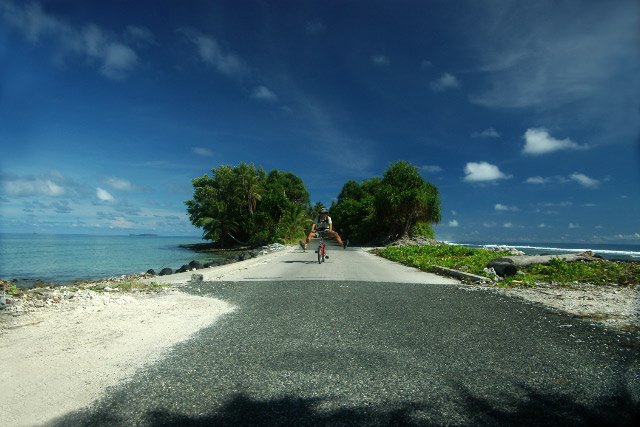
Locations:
column 293, row 222
column 251, row 186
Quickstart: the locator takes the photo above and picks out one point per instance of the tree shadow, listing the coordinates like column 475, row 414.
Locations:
column 300, row 262
column 531, row 408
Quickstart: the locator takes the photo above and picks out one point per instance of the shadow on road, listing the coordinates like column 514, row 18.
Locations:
column 533, row 408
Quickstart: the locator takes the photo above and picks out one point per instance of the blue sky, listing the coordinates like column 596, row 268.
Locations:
column 526, row 116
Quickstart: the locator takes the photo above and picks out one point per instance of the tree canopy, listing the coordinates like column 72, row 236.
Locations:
column 400, row 204
column 242, row 205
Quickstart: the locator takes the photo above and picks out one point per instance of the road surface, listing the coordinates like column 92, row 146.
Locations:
column 363, row 341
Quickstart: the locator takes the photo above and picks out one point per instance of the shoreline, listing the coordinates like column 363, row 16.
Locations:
column 222, row 257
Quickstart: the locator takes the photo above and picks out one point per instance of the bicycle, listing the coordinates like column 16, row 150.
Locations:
column 322, row 247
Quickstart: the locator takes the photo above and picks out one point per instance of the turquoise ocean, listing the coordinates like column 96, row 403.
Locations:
column 64, row 258
column 67, row 257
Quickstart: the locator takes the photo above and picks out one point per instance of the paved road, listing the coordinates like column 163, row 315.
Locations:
column 306, row 351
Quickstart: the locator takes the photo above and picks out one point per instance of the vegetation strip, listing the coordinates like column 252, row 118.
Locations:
column 474, row 261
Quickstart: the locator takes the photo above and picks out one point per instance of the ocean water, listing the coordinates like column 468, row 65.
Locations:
column 63, row 258
column 607, row 251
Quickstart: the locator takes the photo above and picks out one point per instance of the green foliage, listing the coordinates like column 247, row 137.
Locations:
column 400, row 204
column 595, row 272
column 243, row 205
column 475, row 260
column 423, row 229
column 451, row 256
column 10, row 288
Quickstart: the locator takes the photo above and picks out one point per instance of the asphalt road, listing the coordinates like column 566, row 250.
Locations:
column 316, row 351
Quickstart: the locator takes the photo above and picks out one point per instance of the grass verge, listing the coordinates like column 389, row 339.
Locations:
column 474, row 261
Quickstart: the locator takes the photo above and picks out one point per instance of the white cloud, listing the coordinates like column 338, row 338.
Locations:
column 487, row 133
column 573, row 226
column 114, row 59
column 508, row 225
column 539, row 141
column 504, row 208
column 543, row 225
column 446, row 81
column 104, row 195
column 536, row 180
column 264, row 93
column 211, row 53
column 380, row 60
column 453, row 223
column 482, row 172
column 32, row 187
column 584, row 180
column 489, row 224
column 202, row 151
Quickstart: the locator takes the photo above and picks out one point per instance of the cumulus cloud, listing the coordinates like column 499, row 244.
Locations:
column 114, row 59
column 454, row 223
column 103, row 195
column 572, row 225
column 446, row 81
column 483, row 172
column 264, row 93
column 508, row 225
column 539, row 141
column 212, row 54
column 584, row 180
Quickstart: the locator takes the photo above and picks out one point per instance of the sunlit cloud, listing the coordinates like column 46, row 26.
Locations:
column 103, row 195
column 539, row 141
column 483, row 172
column 584, row 180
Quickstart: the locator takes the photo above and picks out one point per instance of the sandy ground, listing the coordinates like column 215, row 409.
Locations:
column 63, row 356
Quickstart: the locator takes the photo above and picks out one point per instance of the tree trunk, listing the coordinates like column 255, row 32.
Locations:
column 507, row 266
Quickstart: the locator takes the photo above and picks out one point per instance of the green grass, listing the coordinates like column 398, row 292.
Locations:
column 475, row 260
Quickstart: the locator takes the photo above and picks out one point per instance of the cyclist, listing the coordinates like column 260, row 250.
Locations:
column 323, row 223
